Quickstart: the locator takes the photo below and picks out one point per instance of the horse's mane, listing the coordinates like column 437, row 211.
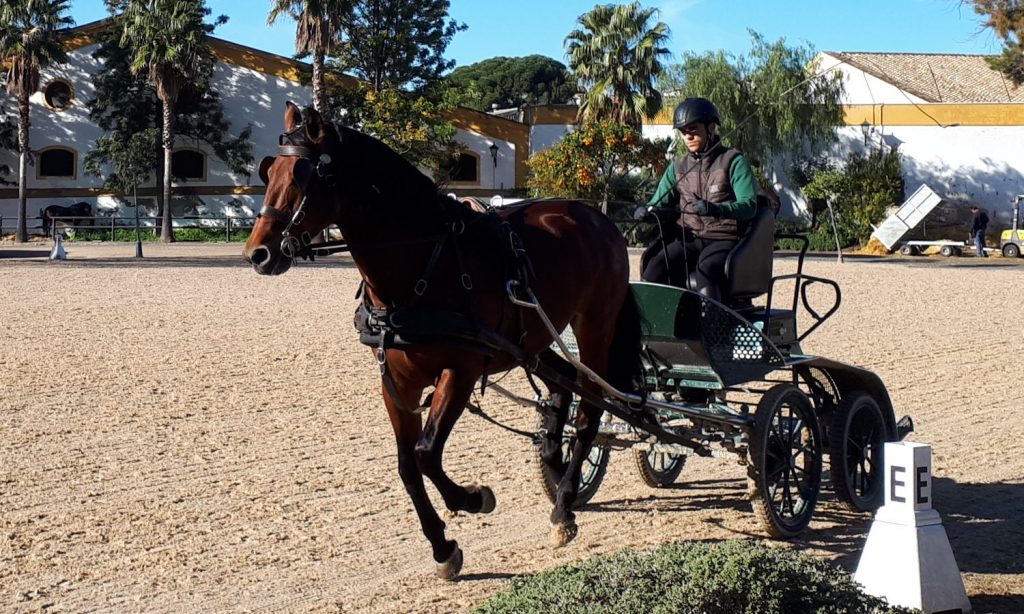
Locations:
column 375, row 157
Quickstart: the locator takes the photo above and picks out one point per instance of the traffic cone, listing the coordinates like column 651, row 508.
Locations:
column 58, row 252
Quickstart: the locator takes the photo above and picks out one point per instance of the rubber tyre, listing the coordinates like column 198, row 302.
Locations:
column 591, row 475
column 909, row 250
column 947, row 251
column 856, row 443
column 784, row 466
column 658, row 469
column 1011, row 250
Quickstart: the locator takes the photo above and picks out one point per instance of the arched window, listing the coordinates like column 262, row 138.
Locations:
column 57, row 163
column 58, row 94
column 189, row 164
column 465, row 168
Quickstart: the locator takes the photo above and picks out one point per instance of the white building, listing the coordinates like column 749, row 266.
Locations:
column 956, row 121
column 253, row 86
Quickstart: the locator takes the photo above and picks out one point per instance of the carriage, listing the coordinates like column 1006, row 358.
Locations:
column 451, row 296
column 730, row 378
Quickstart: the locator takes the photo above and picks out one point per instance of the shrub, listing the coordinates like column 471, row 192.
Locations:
column 860, row 192
column 738, row 576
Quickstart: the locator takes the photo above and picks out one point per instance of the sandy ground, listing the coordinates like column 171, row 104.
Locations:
column 181, row 434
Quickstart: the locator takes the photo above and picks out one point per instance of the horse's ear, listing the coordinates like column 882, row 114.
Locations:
column 265, row 168
column 314, row 125
column 292, row 116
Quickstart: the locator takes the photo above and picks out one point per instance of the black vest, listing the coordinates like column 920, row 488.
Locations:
column 706, row 177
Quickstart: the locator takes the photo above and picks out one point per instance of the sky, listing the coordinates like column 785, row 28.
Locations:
column 525, row 27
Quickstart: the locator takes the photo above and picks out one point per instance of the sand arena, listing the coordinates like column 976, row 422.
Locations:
column 181, row 434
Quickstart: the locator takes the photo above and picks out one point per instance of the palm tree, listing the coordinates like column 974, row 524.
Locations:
column 616, row 56
column 167, row 39
column 318, row 30
column 30, row 40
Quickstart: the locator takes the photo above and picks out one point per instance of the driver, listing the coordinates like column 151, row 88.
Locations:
column 714, row 188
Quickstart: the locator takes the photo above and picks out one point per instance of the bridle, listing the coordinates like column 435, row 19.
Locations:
column 308, row 168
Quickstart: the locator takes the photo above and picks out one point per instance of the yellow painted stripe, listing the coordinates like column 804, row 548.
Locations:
column 935, row 115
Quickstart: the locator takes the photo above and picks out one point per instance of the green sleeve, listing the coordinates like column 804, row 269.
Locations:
column 666, row 194
column 745, row 187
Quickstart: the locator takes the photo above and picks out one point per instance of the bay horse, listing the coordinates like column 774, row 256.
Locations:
column 437, row 275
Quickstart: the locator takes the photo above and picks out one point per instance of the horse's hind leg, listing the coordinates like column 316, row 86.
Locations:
column 555, row 414
column 594, row 330
column 407, row 427
column 451, row 394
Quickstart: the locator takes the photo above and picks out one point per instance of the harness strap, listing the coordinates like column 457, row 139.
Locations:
column 476, row 410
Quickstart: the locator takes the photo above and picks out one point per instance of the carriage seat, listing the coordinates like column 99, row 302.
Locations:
column 748, row 267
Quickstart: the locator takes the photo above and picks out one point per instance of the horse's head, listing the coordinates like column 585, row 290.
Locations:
column 299, row 201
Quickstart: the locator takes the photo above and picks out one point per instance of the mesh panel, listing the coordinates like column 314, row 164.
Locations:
column 737, row 350
column 569, row 339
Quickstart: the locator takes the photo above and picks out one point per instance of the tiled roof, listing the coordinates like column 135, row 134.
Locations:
column 937, row 77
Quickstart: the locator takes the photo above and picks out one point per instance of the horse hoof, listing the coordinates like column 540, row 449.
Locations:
column 562, row 534
column 487, row 500
column 450, row 568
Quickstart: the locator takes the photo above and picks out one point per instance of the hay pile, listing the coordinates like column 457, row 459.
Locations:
column 874, row 248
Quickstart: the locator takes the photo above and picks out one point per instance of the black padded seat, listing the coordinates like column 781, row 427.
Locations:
column 748, row 267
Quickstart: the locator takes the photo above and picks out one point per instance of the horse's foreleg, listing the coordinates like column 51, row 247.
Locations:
column 407, row 427
column 451, row 394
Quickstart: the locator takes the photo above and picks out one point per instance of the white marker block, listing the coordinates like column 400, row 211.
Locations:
column 907, row 558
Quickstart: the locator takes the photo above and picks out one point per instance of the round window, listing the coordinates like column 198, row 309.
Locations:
column 58, row 95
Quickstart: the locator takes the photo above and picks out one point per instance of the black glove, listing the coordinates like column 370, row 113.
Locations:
column 705, row 209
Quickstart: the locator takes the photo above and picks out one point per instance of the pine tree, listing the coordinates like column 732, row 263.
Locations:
column 1006, row 18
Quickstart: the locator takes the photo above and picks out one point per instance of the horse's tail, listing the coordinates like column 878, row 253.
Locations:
column 624, row 366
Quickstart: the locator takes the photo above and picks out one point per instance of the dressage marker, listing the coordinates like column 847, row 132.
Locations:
column 907, row 558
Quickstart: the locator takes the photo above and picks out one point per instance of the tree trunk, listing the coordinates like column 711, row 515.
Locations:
column 21, row 234
column 319, row 90
column 167, row 229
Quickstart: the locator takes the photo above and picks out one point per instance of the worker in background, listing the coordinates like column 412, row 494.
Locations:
column 978, row 225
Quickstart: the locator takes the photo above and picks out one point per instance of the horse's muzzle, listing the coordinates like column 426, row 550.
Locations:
column 262, row 259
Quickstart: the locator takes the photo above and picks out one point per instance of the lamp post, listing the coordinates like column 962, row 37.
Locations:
column 865, row 129
column 494, row 158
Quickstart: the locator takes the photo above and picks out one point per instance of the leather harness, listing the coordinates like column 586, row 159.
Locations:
column 411, row 324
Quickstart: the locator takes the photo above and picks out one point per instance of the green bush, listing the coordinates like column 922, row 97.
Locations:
column 860, row 192
column 742, row 576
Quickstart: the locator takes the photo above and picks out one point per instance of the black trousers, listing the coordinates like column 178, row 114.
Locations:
column 703, row 257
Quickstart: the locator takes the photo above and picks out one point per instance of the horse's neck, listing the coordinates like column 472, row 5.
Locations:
column 393, row 245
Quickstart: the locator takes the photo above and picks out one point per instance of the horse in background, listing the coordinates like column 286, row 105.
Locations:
column 436, row 279
column 80, row 209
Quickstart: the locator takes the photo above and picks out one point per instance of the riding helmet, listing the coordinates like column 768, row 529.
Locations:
column 694, row 110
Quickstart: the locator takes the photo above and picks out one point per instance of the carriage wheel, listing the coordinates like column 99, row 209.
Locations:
column 658, row 469
column 591, row 475
column 857, row 441
column 784, row 471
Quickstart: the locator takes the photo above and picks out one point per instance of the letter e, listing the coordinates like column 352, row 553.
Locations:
column 893, row 483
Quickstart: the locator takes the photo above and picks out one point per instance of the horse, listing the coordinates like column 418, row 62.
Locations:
column 80, row 209
column 441, row 274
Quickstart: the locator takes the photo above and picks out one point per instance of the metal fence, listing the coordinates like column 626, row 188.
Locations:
column 148, row 224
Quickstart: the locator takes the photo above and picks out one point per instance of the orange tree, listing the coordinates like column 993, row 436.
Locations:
column 594, row 161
